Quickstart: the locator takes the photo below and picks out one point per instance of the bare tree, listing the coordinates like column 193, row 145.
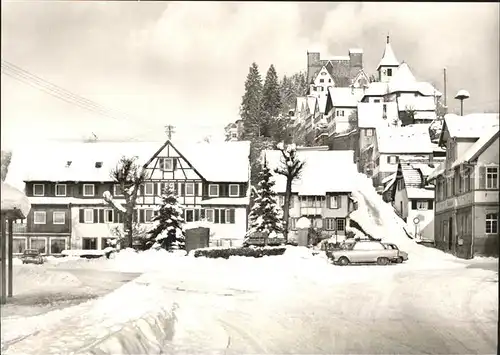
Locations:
column 129, row 175
column 291, row 168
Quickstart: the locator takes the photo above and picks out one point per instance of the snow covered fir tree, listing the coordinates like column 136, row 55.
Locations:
column 167, row 232
column 265, row 216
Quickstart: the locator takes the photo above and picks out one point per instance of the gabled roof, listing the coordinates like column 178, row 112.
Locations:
column 411, row 176
column 312, row 103
column 405, row 140
column 474, row 125
column 388, row 58
column 371, row 114
column 218, row 162
column 376, row 89
column 403, row 80
column 317, row 177
column 345, row 97
column 478, row 147
column 361, row 74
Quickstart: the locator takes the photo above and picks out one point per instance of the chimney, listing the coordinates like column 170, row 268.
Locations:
column 98, row 164
column 387, row 39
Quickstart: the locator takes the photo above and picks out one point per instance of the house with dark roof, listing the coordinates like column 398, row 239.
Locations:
column 65, row 183
column 467, row 186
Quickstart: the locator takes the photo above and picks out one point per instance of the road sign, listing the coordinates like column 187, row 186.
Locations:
column 416, row 220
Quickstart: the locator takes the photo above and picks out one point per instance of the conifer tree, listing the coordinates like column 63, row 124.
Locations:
column 250, row 110
column 271, row 96
column 167, row 231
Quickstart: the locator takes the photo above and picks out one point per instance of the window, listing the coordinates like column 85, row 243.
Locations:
column 189, row 215
column 492, row 178
column 148, row 215
column 213, row 190
column 339, row 113
column 149, row 189
column 321, row 80
column 117, row 190
column 376, row 100
column 422, row 205
column 209, row 214
column 368, row 246
column 334, row 201
column 228, row 216
column 60, row 189
column 329, row 224
column 389, row 71
column 166, row 164
column 392, row 159
column 57, row 245
column 234, row 190
column 369, row 132
column 39, row 217
column 234, row 135
column 89, row 243
column 39, row 244
column 88, row 215
column 329, row 80
column 38, row 189
column 18, row 245
column 88, row 190
column 492, row 223
column 108, row 216
column 59, row 217
column 340, row 224
column 314, row 88
column 189, row 189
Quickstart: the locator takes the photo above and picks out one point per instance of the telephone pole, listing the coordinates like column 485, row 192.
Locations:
column 170, row 130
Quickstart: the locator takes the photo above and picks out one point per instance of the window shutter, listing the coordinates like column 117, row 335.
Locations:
column 339, row 201
column 231, row 215
column 196, row 189
column 222, row 216
column 155, row 191
column 216, row 217
column 82, row 219
column 176, row 188
column 413, row 205
column 202, row 213
column 174, row 163
column 80, row 189
column 115, row 216
column 431, row 204
column 119, row 217
column 135, row 215
column 389, row 159
column 141, row 216
column 96, row 216
column 141, row 190
column 482, row 177
column 328, row 201
column 183, row 189
column 101, row 216
column 196, row 215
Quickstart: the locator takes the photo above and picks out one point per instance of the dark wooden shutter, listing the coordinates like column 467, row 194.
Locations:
column 135, row 215
column 202, row 213
column 196, row 215
column 328, row 201
column 413, row 205
column 174, row 163
column 101, row 216
column 196, row 189
column 82, row 217
column 155, row 189
column 80, row 190
column 431, row 204
column 183, row 189
column 222, row 216
column 482, row 177
column 339, row 201
column 96, row 216
column 115, row 216
column 231, row 216
column 216, row 215
column 141, row 216
column 141, row 190
column 471, row 179
column 176, row 188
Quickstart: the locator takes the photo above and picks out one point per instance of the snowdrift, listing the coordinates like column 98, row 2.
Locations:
column 378, row 219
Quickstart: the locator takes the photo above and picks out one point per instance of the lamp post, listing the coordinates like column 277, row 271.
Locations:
column 462, row 95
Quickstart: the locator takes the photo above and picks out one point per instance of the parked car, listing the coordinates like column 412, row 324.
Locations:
column 363, row 252
column 402, row 255
column 32, row 256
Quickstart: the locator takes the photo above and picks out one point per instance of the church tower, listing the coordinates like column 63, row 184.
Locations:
column 388, row 64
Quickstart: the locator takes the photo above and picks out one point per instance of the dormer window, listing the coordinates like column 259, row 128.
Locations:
column 166, row 164
column 98, row 164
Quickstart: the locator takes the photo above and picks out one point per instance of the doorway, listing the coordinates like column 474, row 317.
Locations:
column 450, row 233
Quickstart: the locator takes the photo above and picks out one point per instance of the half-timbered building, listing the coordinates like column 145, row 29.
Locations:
column 65, row 183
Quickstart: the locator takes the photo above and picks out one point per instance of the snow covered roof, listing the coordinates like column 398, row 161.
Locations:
column 345, row 97
column 14, row 201
column 300, row 104
column 322, row 103
column 376, row 89
column 411, row 175
column 425, row 169
column 388, row 58
column 371, row 114
column 57, row 161
column 404, row 80
column 476, row 149
column 321, row 171
column 419, row 103
column 311, row 103
column 437, row 171
column 413, row 192
column 407, row 139
column 389, row 178
column 474, row 125
column 426, row 115
column 355, row 50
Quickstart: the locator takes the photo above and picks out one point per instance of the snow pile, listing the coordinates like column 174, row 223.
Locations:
column 13, row 199
column 303, row 223
column 30, row 278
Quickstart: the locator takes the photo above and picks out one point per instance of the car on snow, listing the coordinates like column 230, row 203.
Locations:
column 32, row 256
column 403, row 256
column 363, row 251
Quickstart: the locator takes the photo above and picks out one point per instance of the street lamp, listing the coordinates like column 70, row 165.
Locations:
column 462, row 95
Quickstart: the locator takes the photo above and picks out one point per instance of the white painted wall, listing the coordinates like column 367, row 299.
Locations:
column 232, row 231
column 342, row 122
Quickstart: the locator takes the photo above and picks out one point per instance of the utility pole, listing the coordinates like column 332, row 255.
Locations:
column 445, row 103
column 169, row 129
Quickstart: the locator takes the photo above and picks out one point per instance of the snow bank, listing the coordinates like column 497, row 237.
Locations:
column 30, row 278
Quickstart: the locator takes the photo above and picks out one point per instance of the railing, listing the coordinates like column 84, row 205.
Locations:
column 310, row 211
column 19, row 228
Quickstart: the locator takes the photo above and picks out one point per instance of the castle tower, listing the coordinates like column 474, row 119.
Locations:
column 388, row 64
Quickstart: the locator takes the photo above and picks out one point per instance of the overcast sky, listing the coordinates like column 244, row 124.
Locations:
column 185, row 63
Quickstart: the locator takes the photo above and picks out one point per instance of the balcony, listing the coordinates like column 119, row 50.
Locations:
column 310, row 211
column 19, row 228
